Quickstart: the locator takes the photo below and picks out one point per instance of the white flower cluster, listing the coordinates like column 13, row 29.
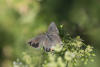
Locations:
column 17, row 63
column 53, row 62
column 71, row 54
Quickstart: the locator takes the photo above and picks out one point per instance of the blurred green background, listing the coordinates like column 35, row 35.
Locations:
column 21, row 20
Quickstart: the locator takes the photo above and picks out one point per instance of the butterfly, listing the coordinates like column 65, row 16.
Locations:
column 48, row 40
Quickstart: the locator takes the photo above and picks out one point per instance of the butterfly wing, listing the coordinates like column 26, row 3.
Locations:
column 36, row 42
column 53, row 29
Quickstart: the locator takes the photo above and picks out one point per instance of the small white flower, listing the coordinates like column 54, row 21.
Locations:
column 57, row 48
column 69, row 55
column 77, row 44
column 89, row 49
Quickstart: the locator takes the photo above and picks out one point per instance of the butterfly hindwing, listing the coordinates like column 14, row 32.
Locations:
column 37, row 41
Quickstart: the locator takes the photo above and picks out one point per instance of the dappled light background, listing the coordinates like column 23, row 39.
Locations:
column 21, row 20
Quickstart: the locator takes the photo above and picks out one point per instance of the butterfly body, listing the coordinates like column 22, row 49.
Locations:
column 48, row 40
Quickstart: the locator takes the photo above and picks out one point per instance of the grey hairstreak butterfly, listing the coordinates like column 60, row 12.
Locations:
column 48, row 40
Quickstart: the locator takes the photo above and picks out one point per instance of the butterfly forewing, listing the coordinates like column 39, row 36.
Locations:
column 53, row 29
